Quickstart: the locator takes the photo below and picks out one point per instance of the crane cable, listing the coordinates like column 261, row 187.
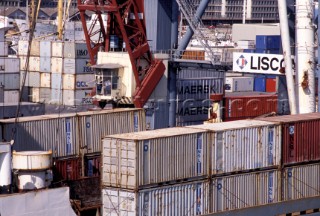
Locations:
column 31, row 34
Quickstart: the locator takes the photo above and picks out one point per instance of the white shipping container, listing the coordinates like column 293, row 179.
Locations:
column 180, row 199
column 60, row 132
column 45, row 64
column 11, row 96
column 56, row 96
column 3, row 48
column 45, row 80
column 40, row 95
column 32, row 79
column 57, row 49
column 34, row 63
column 56, row 65
column 239, row 84
column 35, row 95
column 245, row 190
column 77, row 66
column 56, row 81
column 79, row 81
column 77, row 97
column 135, row 160
column 233, row 143
column 9, row 65
column 23, row 48
column 246, row 44
column 301, row 182
column 125, row 120
column 75, row 50
column 45, row 48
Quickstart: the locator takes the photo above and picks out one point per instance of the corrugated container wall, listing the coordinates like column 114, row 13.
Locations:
column 77, row 66
column 66, row 169
column 137, row 160
column 234, row 141
column 56, row 133
column 10, row 81
column 179, row 200
column 245, row 190
column 93, row 127
column 243, row 107
column 300, row 137
column 64, row 133
column 77, row 97
column 193, row 89
column 301, row 182
column 158, row 20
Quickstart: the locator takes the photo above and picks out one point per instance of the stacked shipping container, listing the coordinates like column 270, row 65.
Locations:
column 244, row 166
column 58, row 73
column 9, row 74
column 71, row 135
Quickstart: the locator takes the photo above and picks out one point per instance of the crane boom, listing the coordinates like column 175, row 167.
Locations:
column 125, row 19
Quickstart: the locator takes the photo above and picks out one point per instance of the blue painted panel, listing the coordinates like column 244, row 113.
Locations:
column 268, row 41
column 259, row 84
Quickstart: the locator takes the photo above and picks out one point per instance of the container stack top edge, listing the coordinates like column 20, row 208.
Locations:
column 154, row 134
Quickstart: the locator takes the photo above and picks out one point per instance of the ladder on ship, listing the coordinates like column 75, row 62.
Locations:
column 196, row 24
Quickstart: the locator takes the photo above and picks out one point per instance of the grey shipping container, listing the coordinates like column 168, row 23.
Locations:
column 62, row 133
column 243, row 145
column 191, row 110
column 75, row 50
column 245, row 190
column 48, row 132
column 77, row 66
column 301, row 182
column 198, row 89
column 93, row 126
column 157, row 115
column 191, row 73
column 181, row 199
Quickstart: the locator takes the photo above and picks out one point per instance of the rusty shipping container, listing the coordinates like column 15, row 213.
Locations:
column 143, row 159
column 244, row 106
column 301, row 182
column 245, row 190
column 71, row 134
column 65, row 169
column 300, row 137
column 179, row 200
column 243, row 145
column 94, row 125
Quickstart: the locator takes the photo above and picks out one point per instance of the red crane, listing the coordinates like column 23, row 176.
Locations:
column 125, row 19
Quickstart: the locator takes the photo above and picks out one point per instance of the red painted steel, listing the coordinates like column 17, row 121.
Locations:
column 300, row 137
column 244, row 107
column 127, row 21
column 271, row 85
column 67, row 169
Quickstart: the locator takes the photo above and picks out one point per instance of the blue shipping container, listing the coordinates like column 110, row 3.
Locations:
column 259, row 84
column 268, row 42
column 157, row 115
column 268, row 51
column 249, row 50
